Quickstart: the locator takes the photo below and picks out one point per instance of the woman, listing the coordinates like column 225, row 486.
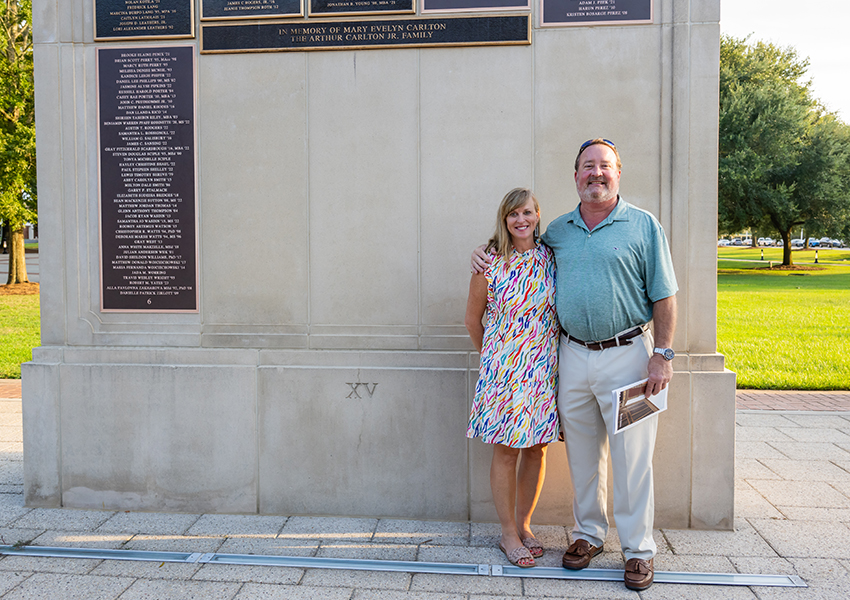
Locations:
column 514, row 407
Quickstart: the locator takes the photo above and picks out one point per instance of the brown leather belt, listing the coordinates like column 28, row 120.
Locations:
column 620, row 340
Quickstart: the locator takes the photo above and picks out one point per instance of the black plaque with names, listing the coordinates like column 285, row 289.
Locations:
column 587, row 12
column 250, row 9
column 143, row 19
column 146, row 112
column 363, row 7
column 473, row 5
column 367, row 34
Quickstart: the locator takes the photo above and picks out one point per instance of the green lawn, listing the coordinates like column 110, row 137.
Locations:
column 785, row 329
column 20, row 332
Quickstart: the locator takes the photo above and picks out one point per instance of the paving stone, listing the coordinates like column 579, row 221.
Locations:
column 435, row 533
column 804, row 470
column 466, row 584
column 800, row 493
column 73, row 587
column 8, row 580
column 842, row 486
column 573, row 589
column 810, row 451
column 164, row 589
column 804, row 513
column 237, row 526
column 36, row 564
column 170, row 543
column 146, row 569
column 815, row 434
column 274, row 547
column 756, row 450
column 744, row 541
column 356, row 579
column 825, row 579
column 10, row 536
column 750, row 503
column 63, row 519
column 751, row 468
column 152, row 523
column 262, row 591
column 763, row 419
column 13, row 433
column 815, row 420
column 248, row 573
column 12, row 472
column 673, row 591
column 694, row 564
column 12, row 451
column 761, row 434
column 393, row 595
column 805, row 539
column 329, row 528
column 12, row 508
column 467, row 555
column 762, row 565
column 81, row 539
column 367, row 551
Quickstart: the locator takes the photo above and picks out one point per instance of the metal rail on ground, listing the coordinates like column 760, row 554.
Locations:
column 309, row 562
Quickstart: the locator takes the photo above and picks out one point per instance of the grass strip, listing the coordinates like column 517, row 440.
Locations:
column 20, row 332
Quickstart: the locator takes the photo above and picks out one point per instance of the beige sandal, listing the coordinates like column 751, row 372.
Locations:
column 535, row 548
column 518, row 554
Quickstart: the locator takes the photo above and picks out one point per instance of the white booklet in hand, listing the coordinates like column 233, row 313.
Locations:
column 631, row 406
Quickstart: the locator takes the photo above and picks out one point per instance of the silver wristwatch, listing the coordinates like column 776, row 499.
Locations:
column 667, row 353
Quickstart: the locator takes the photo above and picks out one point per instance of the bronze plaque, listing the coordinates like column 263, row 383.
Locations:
column 360, row 7
column 146, row 117
column 250, row 9
column 367, row 34
column 594, row 12
column 143, row 19
column 430, row 6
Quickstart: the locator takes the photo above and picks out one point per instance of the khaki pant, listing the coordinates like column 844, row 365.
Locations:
column 586, row 408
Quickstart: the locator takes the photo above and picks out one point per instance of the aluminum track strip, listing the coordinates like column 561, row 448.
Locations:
column 309, row 562
column 660, row 576
column 101, row 553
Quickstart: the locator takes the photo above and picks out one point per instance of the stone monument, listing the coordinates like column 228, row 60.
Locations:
column 256, row 221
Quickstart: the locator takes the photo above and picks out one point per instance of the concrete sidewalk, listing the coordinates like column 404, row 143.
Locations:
column 792, row 509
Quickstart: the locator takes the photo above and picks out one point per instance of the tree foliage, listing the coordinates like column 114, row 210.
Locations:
column 784, row 160
column 18, row 192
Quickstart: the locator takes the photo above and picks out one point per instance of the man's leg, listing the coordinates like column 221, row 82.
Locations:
column 631, row 450
column 587, row 444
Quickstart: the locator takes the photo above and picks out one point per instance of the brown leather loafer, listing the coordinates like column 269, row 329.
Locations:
column 578, row 555
column 639, row 574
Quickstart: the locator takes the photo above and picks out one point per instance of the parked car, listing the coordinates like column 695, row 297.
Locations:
column 737, row 242
column 813, row 243
column 837, row 243
column 779, row 243
column 722, row 243
column 796, row 243
column 768, row 241
column 825, row 242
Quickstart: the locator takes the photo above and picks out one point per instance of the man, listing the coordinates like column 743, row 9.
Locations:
column 614, row 275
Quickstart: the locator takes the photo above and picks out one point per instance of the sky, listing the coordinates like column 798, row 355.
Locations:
column 818, row 30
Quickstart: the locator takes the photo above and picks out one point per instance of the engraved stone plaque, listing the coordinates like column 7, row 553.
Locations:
column 146, row 114
column 143, row 19
column 250, row 9
column 594, row 12
column 367, row 34
column 363, row 7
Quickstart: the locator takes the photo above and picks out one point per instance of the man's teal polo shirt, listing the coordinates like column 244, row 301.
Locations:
column 609, row 278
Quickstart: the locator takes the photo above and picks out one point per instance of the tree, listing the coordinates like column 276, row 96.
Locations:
column 18, row 192
column 784, row 160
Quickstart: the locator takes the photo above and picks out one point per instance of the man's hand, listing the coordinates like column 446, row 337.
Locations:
column 660, row 374
column 480, row 259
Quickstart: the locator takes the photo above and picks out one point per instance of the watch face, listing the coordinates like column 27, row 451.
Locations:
column 668, row 353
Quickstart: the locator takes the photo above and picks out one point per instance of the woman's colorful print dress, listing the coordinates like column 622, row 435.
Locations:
column 515, row 399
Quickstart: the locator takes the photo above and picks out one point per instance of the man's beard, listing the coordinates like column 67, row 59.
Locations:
column 594, row 195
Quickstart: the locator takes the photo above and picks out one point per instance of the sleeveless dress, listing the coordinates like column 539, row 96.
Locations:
column 515, row 398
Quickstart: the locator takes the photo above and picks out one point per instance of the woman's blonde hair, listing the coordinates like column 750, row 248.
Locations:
column 501, row 240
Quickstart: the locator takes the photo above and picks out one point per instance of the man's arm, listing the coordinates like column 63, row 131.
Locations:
column 480, row 259
column 664, row 326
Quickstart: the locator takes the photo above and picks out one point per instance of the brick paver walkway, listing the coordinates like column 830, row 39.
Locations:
column 746, row 399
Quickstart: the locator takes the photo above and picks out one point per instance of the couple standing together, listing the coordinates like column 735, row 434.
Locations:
column 567, row 323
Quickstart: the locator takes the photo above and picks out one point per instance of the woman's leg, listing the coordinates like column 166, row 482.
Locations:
column 503, row 483
column 532, row 470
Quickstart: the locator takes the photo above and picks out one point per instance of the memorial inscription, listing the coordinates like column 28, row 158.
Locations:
column 591, row 12
column 367, row 34
column 429, row 6
column 143, row 19
column 146, row 113
column 250, row 9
